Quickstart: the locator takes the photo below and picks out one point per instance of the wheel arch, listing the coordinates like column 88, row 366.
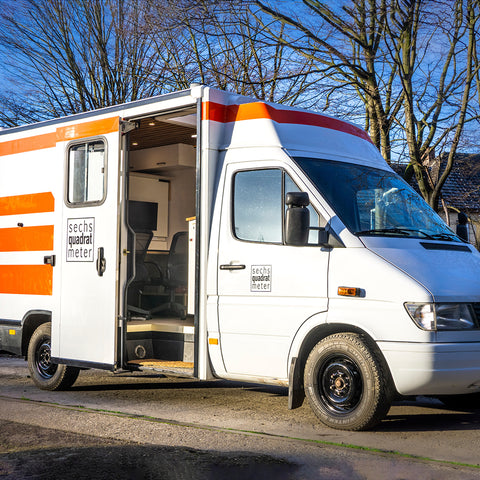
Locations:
column 296, row 393
column 30, row 322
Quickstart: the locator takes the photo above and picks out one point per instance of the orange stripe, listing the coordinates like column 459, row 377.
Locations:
column 71, row 132
column 26, row 279
column 88, row 129
column 28, row 144
column 30, row 203
column 258, row 110
column 26, row 239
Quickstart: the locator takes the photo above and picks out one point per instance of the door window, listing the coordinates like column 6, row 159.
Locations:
column 86, row 173
column 259, row 205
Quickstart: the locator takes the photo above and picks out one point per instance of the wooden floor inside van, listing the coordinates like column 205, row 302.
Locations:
column 159, row 327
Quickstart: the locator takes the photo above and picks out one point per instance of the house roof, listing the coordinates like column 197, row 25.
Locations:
column 462, row 187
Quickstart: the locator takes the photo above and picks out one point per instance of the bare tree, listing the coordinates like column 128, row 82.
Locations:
column 434, row 118
column 75, row 55
column 386, row 52
column 221, row 44
column 69, row 56
column 350, row 56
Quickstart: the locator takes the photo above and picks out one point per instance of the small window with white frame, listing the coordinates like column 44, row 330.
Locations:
column 86, row 173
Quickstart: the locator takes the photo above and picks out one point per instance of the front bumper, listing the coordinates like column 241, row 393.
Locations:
column 433, row 368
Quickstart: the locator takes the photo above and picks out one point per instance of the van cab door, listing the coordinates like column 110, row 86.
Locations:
column 84, row 331
column 266, row 289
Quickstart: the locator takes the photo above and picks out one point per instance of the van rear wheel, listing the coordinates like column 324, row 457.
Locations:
column 45, row 374
column 346, row 384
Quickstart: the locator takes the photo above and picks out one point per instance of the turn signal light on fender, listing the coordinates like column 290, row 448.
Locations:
column 349, row 291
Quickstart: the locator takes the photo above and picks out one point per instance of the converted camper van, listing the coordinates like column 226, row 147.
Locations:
column 209, row 235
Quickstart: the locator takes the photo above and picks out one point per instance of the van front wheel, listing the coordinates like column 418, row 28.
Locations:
column 345, row 383
column 45, row 374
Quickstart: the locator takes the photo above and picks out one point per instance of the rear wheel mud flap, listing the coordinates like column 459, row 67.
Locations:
column 296, row 393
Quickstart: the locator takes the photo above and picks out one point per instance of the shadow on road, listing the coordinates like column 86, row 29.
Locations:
column 179, row 385
column 141, row 462
column 425, row 418
column 430, row 422
column 32, row 452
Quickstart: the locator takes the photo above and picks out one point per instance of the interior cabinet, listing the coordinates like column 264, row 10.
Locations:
column 160, row 158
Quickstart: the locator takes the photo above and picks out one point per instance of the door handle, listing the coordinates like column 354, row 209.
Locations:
column 101, row 262
column 49, row 260
column 232, row 267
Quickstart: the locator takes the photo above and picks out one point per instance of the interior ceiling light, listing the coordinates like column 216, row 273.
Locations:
column 189, row 120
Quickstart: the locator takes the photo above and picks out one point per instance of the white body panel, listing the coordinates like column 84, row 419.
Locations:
column 39, row 176
column 449, row 276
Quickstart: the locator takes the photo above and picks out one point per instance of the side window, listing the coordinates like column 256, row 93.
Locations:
column 86, row 173
column 257, row 206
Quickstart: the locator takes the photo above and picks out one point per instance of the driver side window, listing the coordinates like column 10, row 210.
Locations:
column 259, row 206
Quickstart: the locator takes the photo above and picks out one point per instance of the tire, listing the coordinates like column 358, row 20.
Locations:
column 468, row 401
column 45, row 374
column 346, row 383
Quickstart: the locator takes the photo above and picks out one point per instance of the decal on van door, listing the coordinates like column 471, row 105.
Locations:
column 80, row 239
column 261, row 278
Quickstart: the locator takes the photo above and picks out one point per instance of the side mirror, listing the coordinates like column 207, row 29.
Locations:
column 297, row 218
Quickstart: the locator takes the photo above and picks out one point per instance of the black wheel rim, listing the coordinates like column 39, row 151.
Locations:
column 45, row 368
column 340, row 384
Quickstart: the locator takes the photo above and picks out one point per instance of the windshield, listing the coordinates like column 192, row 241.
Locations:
column 370, row 201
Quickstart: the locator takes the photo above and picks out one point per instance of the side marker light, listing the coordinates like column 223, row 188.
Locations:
column 349, row 291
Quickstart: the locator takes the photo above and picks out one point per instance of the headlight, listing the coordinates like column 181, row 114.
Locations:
column 442, row 316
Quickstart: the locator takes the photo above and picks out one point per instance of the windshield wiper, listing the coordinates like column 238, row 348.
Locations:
column 394, row 231
column 449, row 237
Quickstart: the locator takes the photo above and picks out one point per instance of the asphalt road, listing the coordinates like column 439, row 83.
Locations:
column 147, row 426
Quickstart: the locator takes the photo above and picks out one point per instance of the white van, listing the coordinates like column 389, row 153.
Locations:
column 210, row 235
